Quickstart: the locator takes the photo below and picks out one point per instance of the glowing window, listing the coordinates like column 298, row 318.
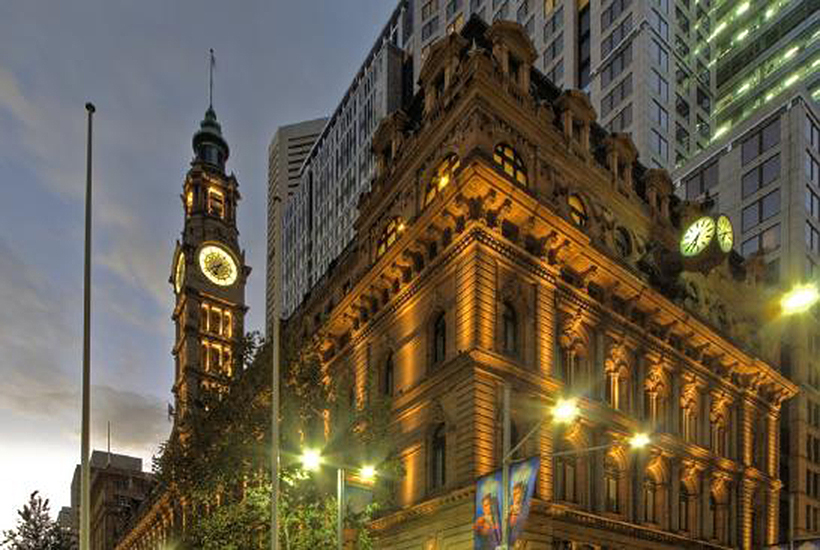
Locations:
column 510, row 161
column 577, row 211
column 189, row 202
column 389, row 235
column 216, row 203
column 442, row 177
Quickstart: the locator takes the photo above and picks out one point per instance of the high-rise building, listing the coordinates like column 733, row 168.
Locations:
column 637, row 59
column 645, row 64
column 511, row 244
column 286, row 154
column 318, row 217
column 763, row 51
column 118, row 489
column 765, row 175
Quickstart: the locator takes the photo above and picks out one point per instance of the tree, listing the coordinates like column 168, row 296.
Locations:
column 222, row 467
column 36, row 530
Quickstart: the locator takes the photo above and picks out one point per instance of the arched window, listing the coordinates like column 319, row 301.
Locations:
column 439, row 338
column 718, row 439
column 509, row 322
column 510, row 161
column 577, row 211
column 388, row 376
column 391, row 232
column 612, row 479
column 438, row 457
column 566, row 468
column 442, row 177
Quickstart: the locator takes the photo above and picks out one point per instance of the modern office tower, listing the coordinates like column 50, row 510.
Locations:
column 286, row 154
column 318, row 217
column 765, row 175
column 763, row 51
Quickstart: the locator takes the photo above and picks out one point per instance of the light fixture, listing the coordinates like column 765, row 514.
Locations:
column 742, row 34
column 799, row 299
column 311, row 460
column 639, row 440
column 791, row 80
column 565, row 410
column 742, row 8
column 367, row 472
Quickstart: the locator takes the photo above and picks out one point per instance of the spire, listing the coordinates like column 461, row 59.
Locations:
column 209, row 145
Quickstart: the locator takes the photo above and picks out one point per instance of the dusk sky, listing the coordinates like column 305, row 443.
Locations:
column 144, row 65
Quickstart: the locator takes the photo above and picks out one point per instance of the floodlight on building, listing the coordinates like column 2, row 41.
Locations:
column 367, row 472
column 565, row 410
column 799, row 299
column 639, row 440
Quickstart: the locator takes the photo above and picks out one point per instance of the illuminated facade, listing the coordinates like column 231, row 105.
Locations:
column 208, row 276
column 509, row 239
column 763, row 52
column 766, row 176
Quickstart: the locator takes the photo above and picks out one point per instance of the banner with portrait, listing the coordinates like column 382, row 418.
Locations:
column 487, row 519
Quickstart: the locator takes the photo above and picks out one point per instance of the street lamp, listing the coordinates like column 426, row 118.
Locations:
column 312, row 460
column 799, row 299
column 564, row 411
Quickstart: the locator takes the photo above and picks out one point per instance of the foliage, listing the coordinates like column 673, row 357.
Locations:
column 36, row 530
column 225, row 458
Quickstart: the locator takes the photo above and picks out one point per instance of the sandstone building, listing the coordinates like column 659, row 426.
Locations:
column 509, row 239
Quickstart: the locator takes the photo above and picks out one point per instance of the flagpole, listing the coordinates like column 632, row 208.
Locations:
column 85, row 484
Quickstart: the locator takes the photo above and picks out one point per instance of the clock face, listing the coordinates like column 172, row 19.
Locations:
column 697, row 236
column 218, row 265
column 179, row 272
column 725, row 234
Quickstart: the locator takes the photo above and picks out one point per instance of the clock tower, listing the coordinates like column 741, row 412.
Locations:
column 208, row 275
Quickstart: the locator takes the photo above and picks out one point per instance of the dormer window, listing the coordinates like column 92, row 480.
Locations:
column 442, row 177
column 510, row 162
column 216, row 203
column 389, row 236
column 515, row 68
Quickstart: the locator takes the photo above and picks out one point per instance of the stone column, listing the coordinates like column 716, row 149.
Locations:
column 745, row 514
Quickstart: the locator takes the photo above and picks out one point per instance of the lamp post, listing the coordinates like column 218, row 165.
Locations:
column 564, row 411
column 311, row 461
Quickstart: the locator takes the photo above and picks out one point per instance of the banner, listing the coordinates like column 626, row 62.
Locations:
column 487, row 522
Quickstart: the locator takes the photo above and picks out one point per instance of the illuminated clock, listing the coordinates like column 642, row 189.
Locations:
column 697, row 236
column 725, row 234
column 179, row 272
column 217, row 265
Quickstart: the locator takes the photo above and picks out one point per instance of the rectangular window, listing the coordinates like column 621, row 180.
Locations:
column 452, row 7
column 702, row 181
column 760, row 176
column 659, row 115
column 766, row 241
column 618, row 94
column 659, row 55
column 614, row 38
column 554, row 49
column 659, row 24
column 429, row 28
column 556, row 75
column 812, row 239
column 428, row 9
column 554, row 24
column 659, row 145
column 760, row 210
column 613, row 12
column 621, row 121
column 761, row 141
column 659, row 85
column 523, row 11
column 812, row 169
column 584, row 47
column 812, row 204
column 616, row 66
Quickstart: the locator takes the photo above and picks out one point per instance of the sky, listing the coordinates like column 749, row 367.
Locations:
column 145, row 67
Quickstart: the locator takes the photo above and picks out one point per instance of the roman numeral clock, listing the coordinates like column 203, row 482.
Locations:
column 705, row 242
